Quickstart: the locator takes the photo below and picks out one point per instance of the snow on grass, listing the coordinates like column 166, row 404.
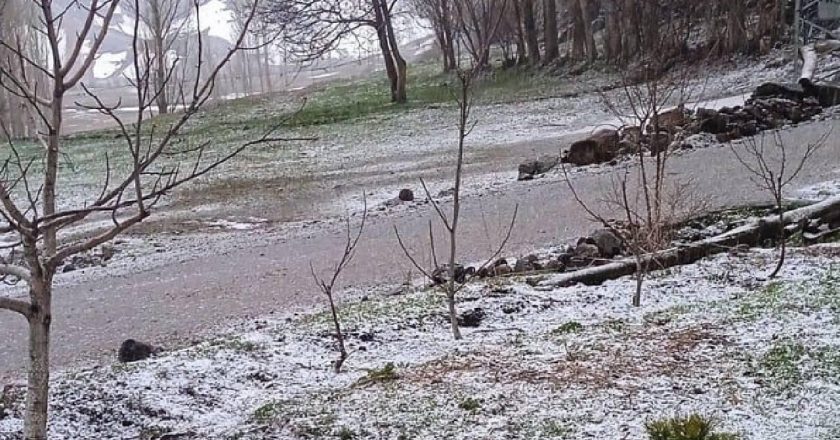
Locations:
column 713, row 338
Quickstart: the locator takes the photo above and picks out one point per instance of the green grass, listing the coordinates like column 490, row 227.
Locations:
column 780, row 298
column 267, row 412
column 341, row 102
column 569, row 327
column 788, row 364
column 470, row 404
column 421, row 306
column 387, row 373
column 693, row 427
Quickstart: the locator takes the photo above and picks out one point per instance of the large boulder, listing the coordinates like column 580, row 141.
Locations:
column 602, row 146
column 609, row 244
column 672, row 120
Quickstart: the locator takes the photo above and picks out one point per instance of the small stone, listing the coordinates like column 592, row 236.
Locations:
column 406, row 195
column 471, row 318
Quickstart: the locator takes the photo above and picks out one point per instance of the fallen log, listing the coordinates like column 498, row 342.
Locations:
column 751, row 234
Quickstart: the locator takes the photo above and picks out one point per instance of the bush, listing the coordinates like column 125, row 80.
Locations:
column 693, row 427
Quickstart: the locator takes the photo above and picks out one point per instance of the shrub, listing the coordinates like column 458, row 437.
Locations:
column 693, row 427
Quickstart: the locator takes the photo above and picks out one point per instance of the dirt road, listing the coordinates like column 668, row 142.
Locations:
column 271, row 274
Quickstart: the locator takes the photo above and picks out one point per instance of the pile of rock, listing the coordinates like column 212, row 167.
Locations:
column 770, row 106
column 99, row 257
column 597, row 248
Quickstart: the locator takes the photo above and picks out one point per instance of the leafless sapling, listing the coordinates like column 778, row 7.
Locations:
column 644, row 196
column 455, row 274
column 327, row 284
column 772, row 167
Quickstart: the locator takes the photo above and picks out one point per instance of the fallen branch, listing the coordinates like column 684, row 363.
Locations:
column 751, row 234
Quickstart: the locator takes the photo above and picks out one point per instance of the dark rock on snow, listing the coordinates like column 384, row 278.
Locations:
column 406, row 195
column 471, row 318
column 132, row 351
column 601, row 146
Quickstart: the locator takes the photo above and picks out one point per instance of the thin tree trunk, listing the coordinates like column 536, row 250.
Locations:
column 399, row 61
column 630, row 30
column 781, row 238
column 392, row 68
column 37, row 391
column 640, row 279
column 613, row 31
column 520, row 33
column 531, row 38
column 550, row 33
column 589, row 36
column 578, row 31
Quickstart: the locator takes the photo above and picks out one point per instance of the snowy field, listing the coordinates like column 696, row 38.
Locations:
column 761, row 358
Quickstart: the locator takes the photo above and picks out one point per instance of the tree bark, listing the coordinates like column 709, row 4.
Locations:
column 578, row 31
column 630, row 30
column 613, row 31
column 395, row 65
column 531, row 37
column 589, row 36
column 550, row 33
column 37, row 391
column 521, row 54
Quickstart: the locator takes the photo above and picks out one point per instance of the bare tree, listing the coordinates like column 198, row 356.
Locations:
column 32, row 205
column 772, row 168
column 18, row 20
column 161, row 25
column 478, row 23
column 643, row 194
column 313, row 28
column 327, row 285
column 454, row 274
column 441, row 16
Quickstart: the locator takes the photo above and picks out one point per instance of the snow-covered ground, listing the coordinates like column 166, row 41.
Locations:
column 761, row 358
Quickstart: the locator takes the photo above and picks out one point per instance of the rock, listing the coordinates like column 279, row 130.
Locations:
column 631, row 133
column 69, row 267
column 502, row 269
column 132, row 351
column 446, row 192
column 523, row 265
column 555, row 266
column 714, row 124
column 587, row 251
column 107, row 252
column 789, row 91
column 528, row 169
column 441, row 274
column 406, row 195
column 608, row 243
column 671, row 120
column 627, row 146
column 601, row 147
column 471, row 318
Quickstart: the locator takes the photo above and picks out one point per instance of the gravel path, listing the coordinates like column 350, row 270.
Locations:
column 269, row 273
